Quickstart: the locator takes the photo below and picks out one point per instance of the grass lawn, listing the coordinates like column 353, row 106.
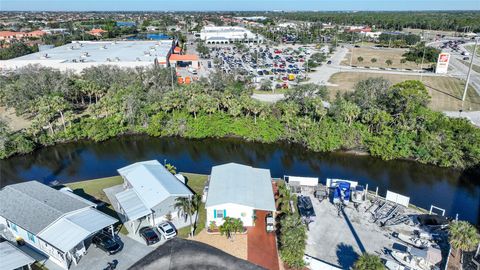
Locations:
column 470, row 49
column 475, row 68
column 196, row 182
column 382, row 55
column 93, row 190
column 446, row 92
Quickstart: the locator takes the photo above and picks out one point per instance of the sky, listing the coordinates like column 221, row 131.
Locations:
column 236, row 5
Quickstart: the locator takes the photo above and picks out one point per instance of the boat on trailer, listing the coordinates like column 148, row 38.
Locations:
column 414, row 241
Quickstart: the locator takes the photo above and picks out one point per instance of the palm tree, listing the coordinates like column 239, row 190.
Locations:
column 230, row 225
column 463, row 236
column 187, row 207
column 368, row 262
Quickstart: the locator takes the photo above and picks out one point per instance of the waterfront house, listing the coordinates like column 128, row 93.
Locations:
column 55, row 223
column 149, row 194
column 238, row 191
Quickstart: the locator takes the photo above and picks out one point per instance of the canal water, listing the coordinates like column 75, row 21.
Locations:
column 455, row 191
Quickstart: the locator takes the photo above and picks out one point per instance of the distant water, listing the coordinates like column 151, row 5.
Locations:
column 455, row 191
column 158, row 36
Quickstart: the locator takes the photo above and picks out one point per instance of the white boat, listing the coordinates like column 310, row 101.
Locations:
column 414, row 241
column 412, row 262
column 392, row 265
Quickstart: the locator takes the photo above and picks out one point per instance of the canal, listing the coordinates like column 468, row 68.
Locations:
column 455, row 191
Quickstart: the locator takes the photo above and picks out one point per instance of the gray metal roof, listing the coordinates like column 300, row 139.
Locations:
column 33, row 205
column 152, row 182
column 73, row 228
column 12, row 257
column 241, row 184
column 100, row 51
column 132, row 204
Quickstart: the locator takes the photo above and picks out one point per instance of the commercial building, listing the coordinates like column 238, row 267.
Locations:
column 79, row 55
column 238, row 191
column 229, row 34
column 56, row 223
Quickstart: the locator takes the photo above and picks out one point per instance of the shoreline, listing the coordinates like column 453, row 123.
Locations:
column 353, row 152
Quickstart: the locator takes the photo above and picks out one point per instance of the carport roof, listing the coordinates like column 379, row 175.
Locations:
column 12, row 257
column 70, row 230
column 132, row 205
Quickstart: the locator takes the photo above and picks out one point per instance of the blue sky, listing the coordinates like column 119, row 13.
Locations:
column 189, row 5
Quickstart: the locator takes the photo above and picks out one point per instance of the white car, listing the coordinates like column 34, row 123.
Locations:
column 166, row 230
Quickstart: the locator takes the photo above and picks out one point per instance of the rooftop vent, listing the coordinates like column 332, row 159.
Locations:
column 44, row 56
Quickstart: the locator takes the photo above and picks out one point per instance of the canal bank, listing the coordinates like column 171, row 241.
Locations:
column 455, row 191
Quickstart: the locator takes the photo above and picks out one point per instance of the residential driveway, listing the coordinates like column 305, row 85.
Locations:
column 262, row 246
column 185, row 254
column 98, row 259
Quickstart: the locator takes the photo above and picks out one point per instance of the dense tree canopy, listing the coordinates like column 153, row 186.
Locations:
column 102, row 102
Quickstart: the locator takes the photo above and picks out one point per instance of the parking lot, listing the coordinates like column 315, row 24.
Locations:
column 281, row 66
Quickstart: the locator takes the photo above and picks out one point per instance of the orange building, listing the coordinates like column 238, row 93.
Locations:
column 97, row 32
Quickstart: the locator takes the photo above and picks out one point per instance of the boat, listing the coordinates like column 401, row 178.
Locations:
column 341, row 193
column 414, row 241
column 393, row 265
column 358, row 194
column 418, row 259
column 411, row 262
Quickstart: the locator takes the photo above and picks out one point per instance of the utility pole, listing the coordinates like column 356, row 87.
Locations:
column 353, row 47
column 423, row 56
column 469, row 72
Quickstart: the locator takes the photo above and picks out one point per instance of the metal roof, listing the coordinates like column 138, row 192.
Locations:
column 12, row 257
column 100, row 51
column 241, row 184
column 70, row 230
column 33, row 205
column 152, row 182
column 132, row 204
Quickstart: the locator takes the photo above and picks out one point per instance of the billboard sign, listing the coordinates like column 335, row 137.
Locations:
column 442, row 63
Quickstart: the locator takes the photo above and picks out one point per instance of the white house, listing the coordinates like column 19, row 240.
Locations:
column 237, row 191
column 58, row 224
column 13, row 258
column 149, row 194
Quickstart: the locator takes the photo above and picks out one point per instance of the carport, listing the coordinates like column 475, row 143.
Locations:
column 69, row 233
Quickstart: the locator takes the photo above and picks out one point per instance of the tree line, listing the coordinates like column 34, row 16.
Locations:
column 387, row 121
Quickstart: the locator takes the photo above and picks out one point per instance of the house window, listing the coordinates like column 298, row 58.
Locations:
column 220, row 213
column 13, row 226
column 31, row 237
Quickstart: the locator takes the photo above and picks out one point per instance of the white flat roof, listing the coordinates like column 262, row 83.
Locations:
column 70, row 230
column 12, row 257
column 104, row 51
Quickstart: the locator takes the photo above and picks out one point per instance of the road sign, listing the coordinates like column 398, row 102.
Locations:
column 442, row 63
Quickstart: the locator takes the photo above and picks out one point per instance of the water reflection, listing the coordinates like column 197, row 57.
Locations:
column 457, row 192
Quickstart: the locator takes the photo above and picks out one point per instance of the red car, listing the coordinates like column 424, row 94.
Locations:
column 277, row 51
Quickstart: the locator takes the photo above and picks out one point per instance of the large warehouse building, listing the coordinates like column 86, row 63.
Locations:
column 230, row 34
column 83, row 54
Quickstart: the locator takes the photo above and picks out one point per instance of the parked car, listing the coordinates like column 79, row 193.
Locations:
column 149, row 235
column 329, row 62
column 166, row 230
column 107, row 243
column 270, row 223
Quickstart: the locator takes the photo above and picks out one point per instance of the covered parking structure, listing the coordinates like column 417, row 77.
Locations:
column 13, row 258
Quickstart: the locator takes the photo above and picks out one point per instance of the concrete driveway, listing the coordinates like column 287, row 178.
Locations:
column 97, row 259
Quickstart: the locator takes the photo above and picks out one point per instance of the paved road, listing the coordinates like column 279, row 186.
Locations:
column 474, row 117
